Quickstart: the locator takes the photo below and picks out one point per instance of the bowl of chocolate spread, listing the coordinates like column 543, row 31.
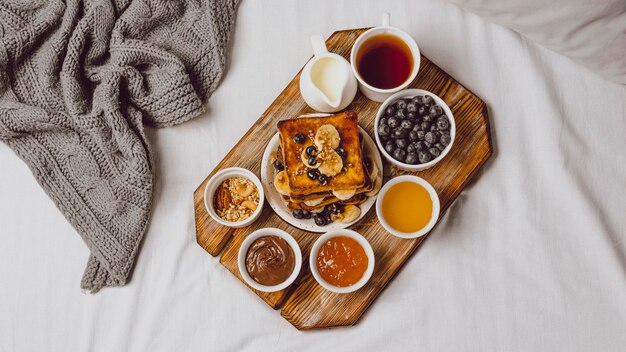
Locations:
column 269, row 260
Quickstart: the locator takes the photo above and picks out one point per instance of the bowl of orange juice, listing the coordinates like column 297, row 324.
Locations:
column 408, row 206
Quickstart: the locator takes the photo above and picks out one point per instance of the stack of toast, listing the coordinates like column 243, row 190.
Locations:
column 332, row 170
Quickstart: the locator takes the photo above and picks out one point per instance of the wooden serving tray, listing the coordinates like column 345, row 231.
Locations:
column 306, row 304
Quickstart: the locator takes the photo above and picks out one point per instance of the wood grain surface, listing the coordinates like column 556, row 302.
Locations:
column 305, row 304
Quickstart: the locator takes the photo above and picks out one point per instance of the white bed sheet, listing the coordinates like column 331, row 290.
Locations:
column 531, row 256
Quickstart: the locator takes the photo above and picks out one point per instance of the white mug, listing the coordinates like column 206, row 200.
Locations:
column 378, row 94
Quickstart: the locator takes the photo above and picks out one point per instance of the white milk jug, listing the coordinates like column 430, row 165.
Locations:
column 327, row 83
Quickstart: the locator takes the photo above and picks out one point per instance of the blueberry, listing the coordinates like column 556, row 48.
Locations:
column 320, row 219
column 418, row 99
column 322, row 179
column 401, row 114
column 341, row 152
column 334, row 208
column 421, row 135
column 311, row 150
column 434, row 128
column 446, row 139
column 428, row 100
column 398, row 132
column 417, row 127
column 306, row 214
column 411, row 149
column 401, row 104
column 411, row 107
column 442, row 123
column 399, row 154
column 382, row 121
column 431, row 138
column 297, row 213
column 411, row 158
column 423, row 156
column 428, row 145
column 413, row 136
column 299, row 138
column 384, row 130
column 406, row 124
column 401, row 143
column 440, row 146
column 312, row 161
column 425, row 126
column 435, row 110
column 419, row 146
column 390, row 147
column 427, row 118
column 278, row 165
column 393, row 122
column 391, row 110
column 313, row 174
column 434, row 152
column 422, row 110
column 411, row 115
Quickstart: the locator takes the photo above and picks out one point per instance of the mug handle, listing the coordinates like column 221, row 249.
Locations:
column 318, row 44
column 386, row 19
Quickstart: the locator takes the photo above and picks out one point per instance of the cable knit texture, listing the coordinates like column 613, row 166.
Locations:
column 78, row 82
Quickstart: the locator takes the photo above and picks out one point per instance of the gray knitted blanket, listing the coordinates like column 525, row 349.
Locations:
column 79, row 79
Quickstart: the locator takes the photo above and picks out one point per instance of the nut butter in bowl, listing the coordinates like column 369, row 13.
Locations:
column 342, row 261
column 234, row 197
column 269, row 260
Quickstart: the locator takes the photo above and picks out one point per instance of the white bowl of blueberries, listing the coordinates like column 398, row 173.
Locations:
column 414, row 129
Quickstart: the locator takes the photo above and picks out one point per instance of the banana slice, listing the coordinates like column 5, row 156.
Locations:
column 373, row 170
column 314, row 202
column 272, row 157
column 327, row 136
column 378, row 183
column 281, row 183
column 344, row 194
column 331, row 164
column 305, row 161
column 349, row 214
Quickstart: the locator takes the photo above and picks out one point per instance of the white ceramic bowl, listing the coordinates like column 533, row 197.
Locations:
column 243, row 251
column 408, row 93
column 433, row 196
column 366, row 247
column 379, row 94
column 216, row 181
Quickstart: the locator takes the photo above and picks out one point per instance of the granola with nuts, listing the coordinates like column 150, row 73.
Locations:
column 236, row 199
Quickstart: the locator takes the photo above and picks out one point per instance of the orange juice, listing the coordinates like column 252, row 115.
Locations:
column 407, row 207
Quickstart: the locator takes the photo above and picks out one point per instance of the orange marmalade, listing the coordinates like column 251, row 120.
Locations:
column 341, row 261
column 407, row 207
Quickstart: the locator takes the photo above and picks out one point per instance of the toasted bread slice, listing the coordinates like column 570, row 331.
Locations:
column 368, row 186
column 352, row 176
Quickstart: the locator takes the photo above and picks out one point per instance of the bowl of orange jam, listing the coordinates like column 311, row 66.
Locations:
column 408, row 206
column 342, row 261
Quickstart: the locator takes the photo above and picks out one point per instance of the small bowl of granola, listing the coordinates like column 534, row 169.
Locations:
column 234, row 197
